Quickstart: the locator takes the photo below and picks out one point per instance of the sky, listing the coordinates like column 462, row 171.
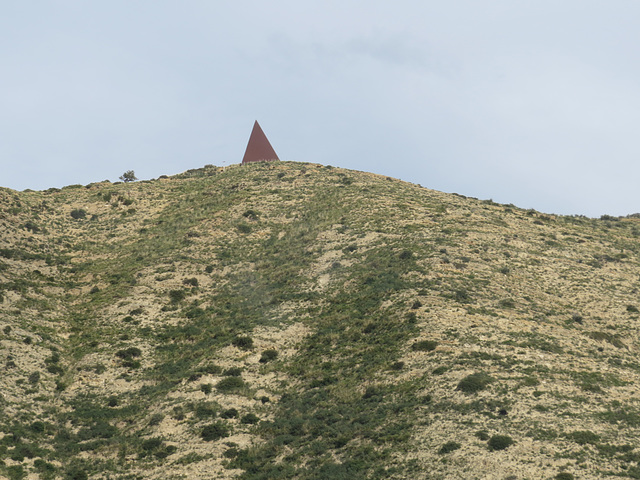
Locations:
column 534, row 103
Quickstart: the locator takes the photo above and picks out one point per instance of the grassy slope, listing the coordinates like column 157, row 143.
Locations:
column 133, row 339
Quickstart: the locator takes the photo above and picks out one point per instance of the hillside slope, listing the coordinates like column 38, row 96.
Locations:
column 291, row 320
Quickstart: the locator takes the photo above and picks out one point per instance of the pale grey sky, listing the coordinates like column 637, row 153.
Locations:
column 534, row 103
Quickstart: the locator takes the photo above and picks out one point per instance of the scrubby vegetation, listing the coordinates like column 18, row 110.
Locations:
column 288, row 320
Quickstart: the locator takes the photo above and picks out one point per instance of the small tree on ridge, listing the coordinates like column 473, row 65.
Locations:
column 128, row 176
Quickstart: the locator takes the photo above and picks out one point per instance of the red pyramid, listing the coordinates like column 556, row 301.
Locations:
column 259, row 149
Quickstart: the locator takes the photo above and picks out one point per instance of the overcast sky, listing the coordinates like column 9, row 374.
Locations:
column 535, row 103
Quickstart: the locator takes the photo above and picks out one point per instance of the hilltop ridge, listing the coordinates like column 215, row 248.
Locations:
column 292, row 320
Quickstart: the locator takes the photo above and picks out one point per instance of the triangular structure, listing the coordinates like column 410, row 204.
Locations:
column 259, row 149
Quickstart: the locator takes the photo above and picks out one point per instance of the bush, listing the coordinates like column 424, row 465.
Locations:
column 249, row 419
column 244, row 343
column 214, row 431
column 156, row 419
column 474, row 383
column 76, row 473
column 78, row 213
column 462, row 296
column 506, row 303
column 268, row 355
column 151, row 444
column 229, row 413
column 34, row 378
column 177, row 295
column 424, row 346
column 449, row 447
column 206, row 388
column 230, row 384
column 37, row 427
column 251, row 214
column 397, row 365
column 500, row 442
column 405, row 255
column 129, row 353
column 191, row 281
column 244, row 228
column 564, row 476
column 632, row 309
column 16, row 472
column 584, row 437
column 232, row 372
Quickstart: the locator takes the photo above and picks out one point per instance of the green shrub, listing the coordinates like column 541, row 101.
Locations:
column 405, row 255
column 16, row 472
column 564, row 476
column 230, row 384
column 584, row 437
column 249, row 419
column 37, row 427
column 215, row 431
column 177, row 295
column 156, row 419
column 32, row 227
column 78, row 213
column 244, row 228
column 206, row 388
column 462, row 296
column 449, row 447
column 34, row 378
column 195, row 312
column 500, row 442
column 268, row 355
column 474, row 383
column 233, row 372
column 397, row 365
column 506, row 303
column 191, row 281
column 244, row 343
column 76, row 473
column 229, row 413
column 251, row 214
column 47, row 469
column 632, row 309
column 151, row 444
column 129, row 353
column 424, row 346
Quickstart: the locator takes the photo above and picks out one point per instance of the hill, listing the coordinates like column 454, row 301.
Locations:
column 291, row 320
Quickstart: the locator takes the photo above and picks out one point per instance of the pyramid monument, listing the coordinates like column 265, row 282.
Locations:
column 259, row 149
